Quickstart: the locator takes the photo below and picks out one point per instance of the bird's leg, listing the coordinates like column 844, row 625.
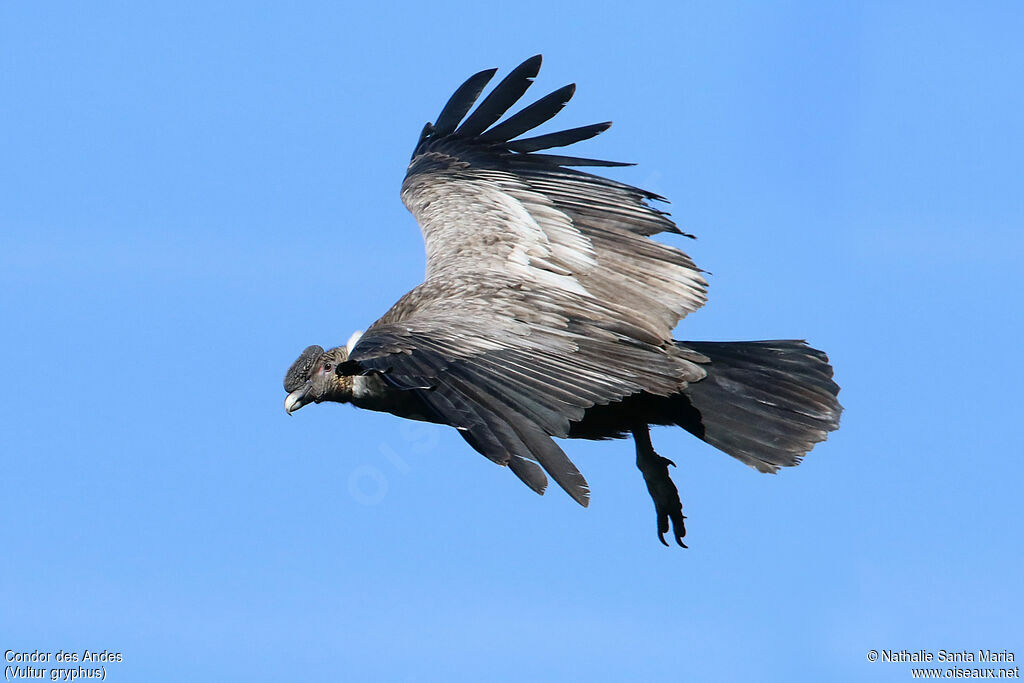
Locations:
column 659, row 485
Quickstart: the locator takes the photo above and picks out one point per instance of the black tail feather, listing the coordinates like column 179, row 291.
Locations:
column 766, row 403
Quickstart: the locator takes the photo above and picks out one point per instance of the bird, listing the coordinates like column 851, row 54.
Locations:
column 547, row 312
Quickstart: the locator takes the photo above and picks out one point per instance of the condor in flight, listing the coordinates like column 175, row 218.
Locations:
column 547, row 312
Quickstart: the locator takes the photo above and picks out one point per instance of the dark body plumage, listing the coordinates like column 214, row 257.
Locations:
column 547, row 311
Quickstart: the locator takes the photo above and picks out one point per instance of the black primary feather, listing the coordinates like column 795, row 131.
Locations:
column 530, row 117
column 461, row 102
column 559, row 160
column 498, row 101
column 560, row 139
column 479, row 125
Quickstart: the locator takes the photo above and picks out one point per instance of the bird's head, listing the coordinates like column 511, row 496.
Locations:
column 312, row 378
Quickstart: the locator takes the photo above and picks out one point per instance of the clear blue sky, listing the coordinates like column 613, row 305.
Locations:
column 190, row 193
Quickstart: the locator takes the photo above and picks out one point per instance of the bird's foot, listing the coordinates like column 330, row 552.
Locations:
column 666, row 500
column 663, row 491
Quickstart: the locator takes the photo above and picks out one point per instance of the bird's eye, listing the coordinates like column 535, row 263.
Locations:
column 328, row 367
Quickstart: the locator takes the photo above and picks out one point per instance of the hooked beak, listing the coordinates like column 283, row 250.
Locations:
column 297, row 399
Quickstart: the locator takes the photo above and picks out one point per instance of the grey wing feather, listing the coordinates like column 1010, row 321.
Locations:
column 485, row 207
column 509, row 399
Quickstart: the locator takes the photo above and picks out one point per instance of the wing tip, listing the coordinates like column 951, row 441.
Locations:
column 461, row 101
column 489, row 74
column 456, row 119
column 583, row 498
column 529, row 472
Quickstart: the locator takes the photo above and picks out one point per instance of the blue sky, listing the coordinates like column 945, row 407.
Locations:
column 192, row 193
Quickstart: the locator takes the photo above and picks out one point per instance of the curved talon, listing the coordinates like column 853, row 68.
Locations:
column 678, row 526
column 679, row 534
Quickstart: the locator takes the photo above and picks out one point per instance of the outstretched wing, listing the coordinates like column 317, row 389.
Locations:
column 544, row 294
column 488, row 203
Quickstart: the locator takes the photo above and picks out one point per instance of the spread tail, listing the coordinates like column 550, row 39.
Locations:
column 766, row 403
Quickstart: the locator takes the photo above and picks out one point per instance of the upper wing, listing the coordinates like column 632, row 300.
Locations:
column 488, row 203
column 544, row 294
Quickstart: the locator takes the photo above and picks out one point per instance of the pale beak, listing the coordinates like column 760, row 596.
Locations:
column 296, row 399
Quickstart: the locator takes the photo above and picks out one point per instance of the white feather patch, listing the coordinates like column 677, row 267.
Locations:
column 353, row 340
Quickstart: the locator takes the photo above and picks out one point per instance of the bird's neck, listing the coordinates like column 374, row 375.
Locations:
column 370, row 392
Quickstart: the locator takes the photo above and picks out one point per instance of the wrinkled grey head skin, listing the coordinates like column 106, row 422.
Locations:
column 302, row 368
column 312, row 378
